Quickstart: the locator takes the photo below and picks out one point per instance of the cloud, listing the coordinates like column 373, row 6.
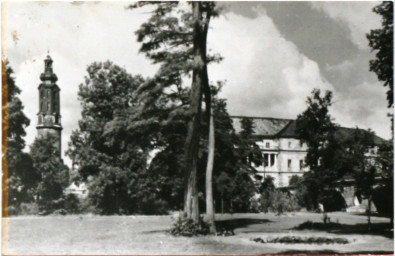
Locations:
column 357, row 16
column 365, row 108
column 266, row 74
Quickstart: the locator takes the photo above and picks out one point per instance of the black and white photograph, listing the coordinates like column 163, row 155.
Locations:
column 197, row 128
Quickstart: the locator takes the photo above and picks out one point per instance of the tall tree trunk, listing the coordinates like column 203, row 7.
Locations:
column 210, row 218
column 191, row 200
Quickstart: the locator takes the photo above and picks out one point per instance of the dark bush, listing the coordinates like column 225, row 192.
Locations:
column 187, row 227
column 277, row 201
column 71, row 204
column 383, row 199
column 332, row 200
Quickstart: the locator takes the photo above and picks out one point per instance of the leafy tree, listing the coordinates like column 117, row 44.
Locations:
column 363, row 163
column 383, row 196
column 274, row 200
column 111, row 154
column 248, row 147
column 381, row 41
column 17, row 165
column 233, row 185
column 316, row 129
column 187, row 56
column 53, row 173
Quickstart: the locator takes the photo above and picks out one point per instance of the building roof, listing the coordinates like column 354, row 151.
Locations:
column 286, row 128
column 263, row 126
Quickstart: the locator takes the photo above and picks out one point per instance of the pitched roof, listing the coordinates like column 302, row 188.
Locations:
column 263, row 126
column 286, row 128
column 345, row 133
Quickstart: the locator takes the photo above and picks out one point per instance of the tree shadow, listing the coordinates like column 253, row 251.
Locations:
column 231, row 225
column 332, row 252
column 381, row 229
column 161, row 231
column 223, row 226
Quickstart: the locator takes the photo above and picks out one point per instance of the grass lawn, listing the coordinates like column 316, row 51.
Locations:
column 148, row 235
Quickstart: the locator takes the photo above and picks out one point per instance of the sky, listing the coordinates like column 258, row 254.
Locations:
column 275, row 54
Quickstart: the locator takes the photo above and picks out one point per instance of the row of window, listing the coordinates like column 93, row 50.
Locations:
column 267, row 145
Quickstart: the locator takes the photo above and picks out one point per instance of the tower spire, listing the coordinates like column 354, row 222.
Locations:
column 49, row 118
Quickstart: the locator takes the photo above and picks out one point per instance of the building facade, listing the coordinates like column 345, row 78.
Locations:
column 49, row 118
column 282, row 151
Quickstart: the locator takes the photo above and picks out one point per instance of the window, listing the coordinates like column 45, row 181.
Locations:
column 267, row 145
column 300, row 144
column 289, row 144
column 272, row 159
column 300, row 164
column 289, row 163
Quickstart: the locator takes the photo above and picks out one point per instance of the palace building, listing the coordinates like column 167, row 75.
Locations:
column 282, row 151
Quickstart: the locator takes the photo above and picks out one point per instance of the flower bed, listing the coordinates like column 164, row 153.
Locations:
column 301, row 240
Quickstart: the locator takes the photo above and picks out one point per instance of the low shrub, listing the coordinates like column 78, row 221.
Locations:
column 187, row 227
column 28, row 209
column 309, row 225
column 71, row 204
column 277, row 201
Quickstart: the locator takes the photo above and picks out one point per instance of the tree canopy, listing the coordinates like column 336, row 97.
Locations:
column 20, row 178
column 382, row 42
column 324, row 155
column 53, row 174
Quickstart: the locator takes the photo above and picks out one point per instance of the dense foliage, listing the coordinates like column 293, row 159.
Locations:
column 175, row 37
column 109, row 155
column 382, row 43
column 316, row 129
column 274, row 200
column 21, row 179
column 53, row 173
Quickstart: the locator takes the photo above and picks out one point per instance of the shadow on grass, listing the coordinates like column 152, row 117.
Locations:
column 329, row 252
column 381, row 229
column 223, row 225
column 162, row 231
column 231, row 225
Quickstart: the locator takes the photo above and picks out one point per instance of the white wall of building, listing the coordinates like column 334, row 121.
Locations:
column 286, row 158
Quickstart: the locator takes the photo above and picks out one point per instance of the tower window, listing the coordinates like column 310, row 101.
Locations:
column 289, row 144
column 267, row 145
column 289, row 163
column 48, row 107
column 300, row 164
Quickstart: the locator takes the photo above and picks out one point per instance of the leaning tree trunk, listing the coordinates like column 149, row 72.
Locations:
column 211, row 132
column 191, row 200
column 209, row 176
